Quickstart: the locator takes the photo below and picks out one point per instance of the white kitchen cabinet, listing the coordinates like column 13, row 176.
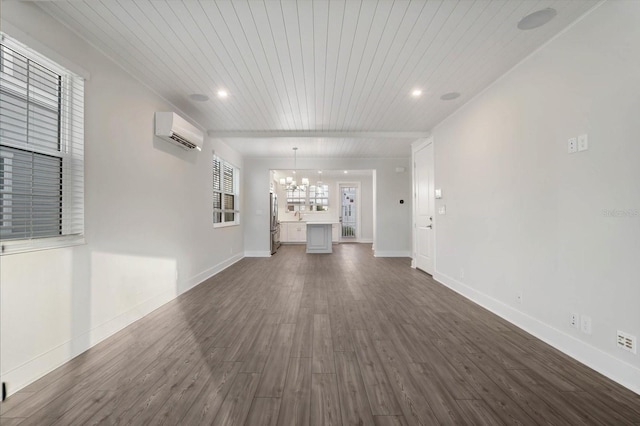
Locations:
column 293, row 232
column 284, row 233
column 319, row 237
column 298, row 232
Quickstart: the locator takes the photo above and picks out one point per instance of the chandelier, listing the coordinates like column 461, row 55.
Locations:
column 290, row 182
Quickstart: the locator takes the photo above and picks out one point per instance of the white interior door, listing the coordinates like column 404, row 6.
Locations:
column 424, row 207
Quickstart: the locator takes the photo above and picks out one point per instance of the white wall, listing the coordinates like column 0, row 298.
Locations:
column 392, row 220
column 523, row 216
column 366, row 207
column 148, row 222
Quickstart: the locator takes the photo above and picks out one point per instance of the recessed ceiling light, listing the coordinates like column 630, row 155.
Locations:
column 416, row 93
column 450, row 96
column 222, row 93
column 198, row 97
column 345, row 172
column 319, row 171
column 537, row 19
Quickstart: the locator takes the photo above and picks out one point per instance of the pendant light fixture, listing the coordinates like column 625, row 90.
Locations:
column 290, row 182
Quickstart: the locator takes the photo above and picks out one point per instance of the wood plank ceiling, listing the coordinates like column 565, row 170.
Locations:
column 318, row 66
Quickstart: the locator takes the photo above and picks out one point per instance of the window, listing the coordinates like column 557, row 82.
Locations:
column 319, row 197
column 296, row 199
column 225, row 193
column 313, row 198
column 41, row 151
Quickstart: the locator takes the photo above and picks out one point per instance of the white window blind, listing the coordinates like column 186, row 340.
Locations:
column 225, row 193
column 41, row 151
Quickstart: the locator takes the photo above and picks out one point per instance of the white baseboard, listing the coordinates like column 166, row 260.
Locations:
column 619, row 371
column 210, row 272
column 399, row 253
column 265, row 253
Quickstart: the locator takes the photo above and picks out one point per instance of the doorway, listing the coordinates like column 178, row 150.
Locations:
column 349, row 211
column 424, row 192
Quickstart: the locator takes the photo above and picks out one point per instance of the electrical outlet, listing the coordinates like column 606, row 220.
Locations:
column 627, row 342
column 585, row 324
column 574, row 320
column 572, row 145
column 583, row 142
column 519, row 298
column 442, row 210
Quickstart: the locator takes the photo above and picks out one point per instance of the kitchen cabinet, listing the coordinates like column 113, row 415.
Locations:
column 319, row 237
column 293, row 232
column 296, row 232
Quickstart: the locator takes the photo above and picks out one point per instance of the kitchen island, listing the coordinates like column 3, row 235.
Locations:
column 319, row 237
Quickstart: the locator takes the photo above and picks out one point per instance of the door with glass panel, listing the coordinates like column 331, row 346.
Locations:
column 348, row 211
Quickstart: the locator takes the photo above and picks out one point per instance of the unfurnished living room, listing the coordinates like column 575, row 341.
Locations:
column 320, row 212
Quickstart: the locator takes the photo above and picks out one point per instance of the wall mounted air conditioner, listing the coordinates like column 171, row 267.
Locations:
column 175, row 129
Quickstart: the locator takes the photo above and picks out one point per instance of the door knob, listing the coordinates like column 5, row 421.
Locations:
column 430, row 226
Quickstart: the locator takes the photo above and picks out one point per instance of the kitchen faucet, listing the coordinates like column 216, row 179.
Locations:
column 299, row 214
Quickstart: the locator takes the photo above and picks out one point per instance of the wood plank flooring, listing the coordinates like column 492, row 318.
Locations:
column 340, row 339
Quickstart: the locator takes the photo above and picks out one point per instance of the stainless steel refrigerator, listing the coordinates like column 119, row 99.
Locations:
column 274, row 223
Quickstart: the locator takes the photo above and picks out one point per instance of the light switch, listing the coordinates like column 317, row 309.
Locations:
column 442, row 210
column 583, row 142
column 438, row 193
column 572, row 145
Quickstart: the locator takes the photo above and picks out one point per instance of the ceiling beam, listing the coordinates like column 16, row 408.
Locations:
column 315, row 134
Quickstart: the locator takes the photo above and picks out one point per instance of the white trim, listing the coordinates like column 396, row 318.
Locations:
column 357, row 185
column 415, row 147
column 9, row 247
column 236, row 193
column 226, row 224
column 210, row 272
column 619, row 371
column 260, row 253
column 397, row 253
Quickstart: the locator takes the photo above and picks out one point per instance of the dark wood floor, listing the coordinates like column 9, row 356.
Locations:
column 341, row 339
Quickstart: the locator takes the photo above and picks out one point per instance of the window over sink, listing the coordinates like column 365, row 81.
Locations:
column 311, row 198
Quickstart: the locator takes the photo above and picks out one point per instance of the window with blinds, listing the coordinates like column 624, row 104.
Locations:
column 225, row 193
column 41, row 151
